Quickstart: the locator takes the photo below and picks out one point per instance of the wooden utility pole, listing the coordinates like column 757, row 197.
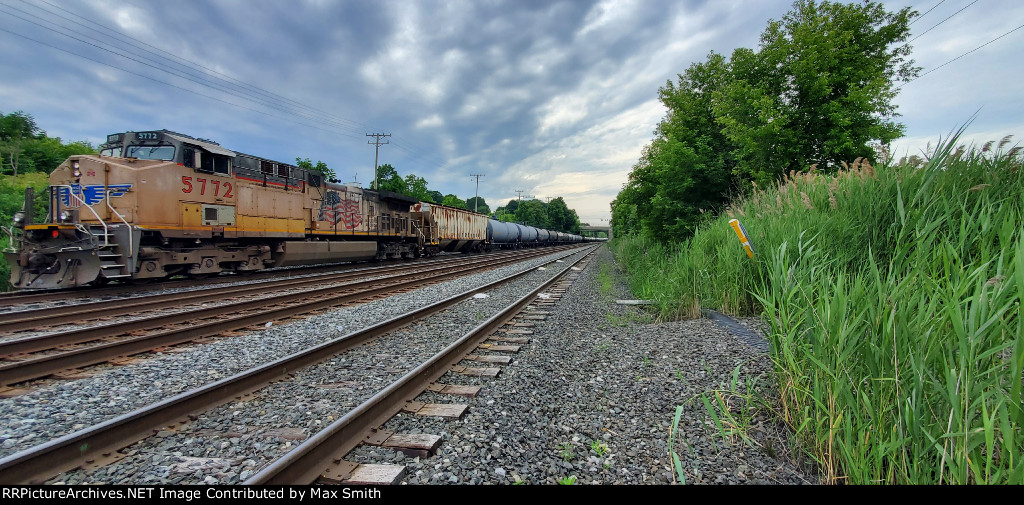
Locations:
column 376, row 141
column 476, row 200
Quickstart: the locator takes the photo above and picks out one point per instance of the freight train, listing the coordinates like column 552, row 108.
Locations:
column 157, row 204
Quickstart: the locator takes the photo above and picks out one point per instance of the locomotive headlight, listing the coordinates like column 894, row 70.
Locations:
column 19, row 219
column 77, row 172
column 64, row 216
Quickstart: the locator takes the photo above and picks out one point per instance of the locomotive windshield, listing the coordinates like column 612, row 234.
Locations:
column 164, row 152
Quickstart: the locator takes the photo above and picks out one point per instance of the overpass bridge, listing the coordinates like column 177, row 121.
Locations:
column 596, row 231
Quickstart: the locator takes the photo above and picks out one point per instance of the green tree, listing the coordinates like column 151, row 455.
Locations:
column 532, row 213
column 512, row 206
column 16, row 128
column 477, row 204
column 320, row 167
column 390, row 180
column 436, row 196
column 453, row 201
column 561, row 218
column 416, row 187
column 819, row 90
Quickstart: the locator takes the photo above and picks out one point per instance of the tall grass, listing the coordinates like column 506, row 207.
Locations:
column 894, row 301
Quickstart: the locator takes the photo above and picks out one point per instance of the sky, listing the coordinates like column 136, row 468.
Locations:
column 554, row 99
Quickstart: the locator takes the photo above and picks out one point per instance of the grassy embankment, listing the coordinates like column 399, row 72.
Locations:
column 894, row 298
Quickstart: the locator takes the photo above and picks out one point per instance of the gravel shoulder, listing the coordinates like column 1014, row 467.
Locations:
column 593, row 396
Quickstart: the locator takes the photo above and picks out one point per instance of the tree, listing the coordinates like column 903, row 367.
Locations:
column 390, row 180
column 532, row 213
column 477, row 204
column 453, row 201
column 512, row 206
column 15, row 128
column 436, row 196
column 320, row 167
column 561, row 218
column 416, row 187
column 818, row 90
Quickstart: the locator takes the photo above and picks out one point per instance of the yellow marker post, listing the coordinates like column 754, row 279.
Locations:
column 741, row 232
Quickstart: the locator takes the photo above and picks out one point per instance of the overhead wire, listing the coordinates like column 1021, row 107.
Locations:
column 943, row 21
column 962, row 55
column 200, row 81
column 191, row 65
column 267, row 99
column 163, row 82
column 917, row 18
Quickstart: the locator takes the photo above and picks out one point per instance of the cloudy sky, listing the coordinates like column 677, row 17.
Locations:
column 551, row 98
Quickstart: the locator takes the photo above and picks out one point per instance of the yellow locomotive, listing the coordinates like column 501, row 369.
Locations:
column 158, row 203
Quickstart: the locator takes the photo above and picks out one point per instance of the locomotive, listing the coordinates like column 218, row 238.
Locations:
column 156, row 204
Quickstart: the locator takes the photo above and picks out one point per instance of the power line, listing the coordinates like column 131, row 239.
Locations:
column 926, row 12
column 943, row 21
column 165, row 82
column 108, row 31
column 208, row 84
column 256, row 95
column 962, row 55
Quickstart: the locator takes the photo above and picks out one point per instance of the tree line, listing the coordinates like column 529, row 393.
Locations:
column 554, row 215
column 25, row 148
column 816, row 92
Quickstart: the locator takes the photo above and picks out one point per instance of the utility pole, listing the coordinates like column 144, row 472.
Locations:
column 520, row 191
column 376, row 141
column 476, row 201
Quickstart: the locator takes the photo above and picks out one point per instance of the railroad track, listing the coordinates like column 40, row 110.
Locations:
column 322, row 453
column 16, row 298
column 62, row 351
column 80, row 313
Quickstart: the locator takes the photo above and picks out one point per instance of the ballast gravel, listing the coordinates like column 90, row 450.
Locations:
column 61, row 408
column 591, row 400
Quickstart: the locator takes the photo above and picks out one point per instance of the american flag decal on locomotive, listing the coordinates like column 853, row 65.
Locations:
column 336, row 211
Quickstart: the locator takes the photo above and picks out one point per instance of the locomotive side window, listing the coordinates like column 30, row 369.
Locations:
column 206, row 163
column 220, row 164
column 188, row 157
column 115, row 152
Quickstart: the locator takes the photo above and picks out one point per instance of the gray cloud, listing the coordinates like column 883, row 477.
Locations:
column 556, row 99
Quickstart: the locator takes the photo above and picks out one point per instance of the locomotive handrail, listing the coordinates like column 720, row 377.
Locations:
column 71, row 194
column 10, row 235
column 119, row 216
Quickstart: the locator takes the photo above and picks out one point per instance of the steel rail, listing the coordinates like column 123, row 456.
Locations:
column 53, row 316
column 39, row 463
column 259, row 312
column 49, row 295
column 312, row 458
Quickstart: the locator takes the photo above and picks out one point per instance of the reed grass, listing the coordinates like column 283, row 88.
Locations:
column 893, row 296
